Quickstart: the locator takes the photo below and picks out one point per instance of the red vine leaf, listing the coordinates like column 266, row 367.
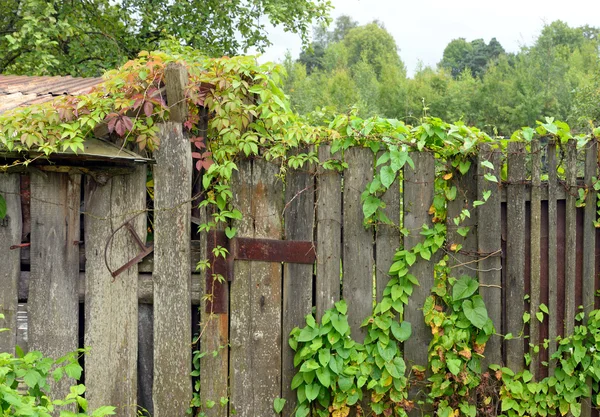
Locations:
column 148, row 108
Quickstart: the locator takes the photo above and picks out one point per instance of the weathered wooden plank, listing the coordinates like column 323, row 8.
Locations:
column 570, row 238
column 53, row 303
column 489, row 246
column 358, row 262
column 463, row 263
column 255, row 357
column 172, row 388
column 145, row 371
column 552, row 252
column 10, row 267
column 111, row 305
column 589, row 245
column 329, row 235
column 418, row 196
column 589, row 230
column 145, row 288
column 214, row 330
column 514, row 290
column 535, row 266
column 387, row 237
column 176, row 79
column 299, row 221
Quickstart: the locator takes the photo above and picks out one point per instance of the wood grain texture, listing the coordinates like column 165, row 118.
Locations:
column 535, row 260
column 111, row 307
column 589, row 247
column 461, row 263
column 145, row 288
column 329, row 235
column 10, row 267
column 172, row 388
column 514, row 287
column 145, row 371
column 299, row 222
column 489, row 246
column 418, row 196
column 552, row 250
column 570, row 236
column 176, row 79
column 387, row 237
column 255, row 326
column 53, row 302
column 358, row 262
column 214, row 328
column 589, row 229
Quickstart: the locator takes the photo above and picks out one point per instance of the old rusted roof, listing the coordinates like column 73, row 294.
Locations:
column 22, row 90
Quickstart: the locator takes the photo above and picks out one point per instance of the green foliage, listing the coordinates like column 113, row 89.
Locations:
column 24, row 386
column 473, row 56
column 475, row 82
column 86, row 37
column 251, row 116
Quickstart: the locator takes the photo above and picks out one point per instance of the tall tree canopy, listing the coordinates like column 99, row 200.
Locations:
column 84, row 37
column 474, row 56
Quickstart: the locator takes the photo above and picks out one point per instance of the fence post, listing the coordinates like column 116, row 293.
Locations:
column 514, row 290
column 172, row 388
column 329, row 234
column 10, row 268
column 570, row 237
column 489, row 245
column 534, row 259
column 111, row 304
column 53, row 303
column 589, row 247
column 387, row 237
column 255, row 314
column 297, row 278
column 552, row 254
column 418, row 196
column 357, row 264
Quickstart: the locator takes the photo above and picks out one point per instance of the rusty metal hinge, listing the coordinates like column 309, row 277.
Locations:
column 248, row 249
column 145, row 250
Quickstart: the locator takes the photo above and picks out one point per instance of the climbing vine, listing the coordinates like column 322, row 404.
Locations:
column 250, row 116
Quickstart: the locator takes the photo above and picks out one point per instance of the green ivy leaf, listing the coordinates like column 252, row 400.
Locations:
column 401, row 331
column 340, row 323
column 2, row 207
column 387, row 176
column 324, row 376
column 278, row 404
column 312, row 391
column 371, row 205
column 73, row 370
column 324, row 356
column 463, row 288
column 454, row 366
column 475, row 311
column 487, row 164
column 230, row 232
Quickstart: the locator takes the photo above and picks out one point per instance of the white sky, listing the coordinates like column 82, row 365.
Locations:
column 423, row 28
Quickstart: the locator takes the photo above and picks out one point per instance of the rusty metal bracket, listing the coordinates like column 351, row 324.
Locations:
column 248, row 249
column 145, row 250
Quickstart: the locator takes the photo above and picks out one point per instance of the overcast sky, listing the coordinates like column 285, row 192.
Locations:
column 423, row 28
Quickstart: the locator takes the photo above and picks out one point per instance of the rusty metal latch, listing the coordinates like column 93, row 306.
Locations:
column 145, row 250
column 249, row 249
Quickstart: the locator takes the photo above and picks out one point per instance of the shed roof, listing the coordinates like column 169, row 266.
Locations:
column 23, row 90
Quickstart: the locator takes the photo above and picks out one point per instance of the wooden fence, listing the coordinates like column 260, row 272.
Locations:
column 529, row 238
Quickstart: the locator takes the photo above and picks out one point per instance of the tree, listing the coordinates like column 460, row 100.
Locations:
column 373, row 44
column 313, row 56
column 475, row 55
column 84, row 37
